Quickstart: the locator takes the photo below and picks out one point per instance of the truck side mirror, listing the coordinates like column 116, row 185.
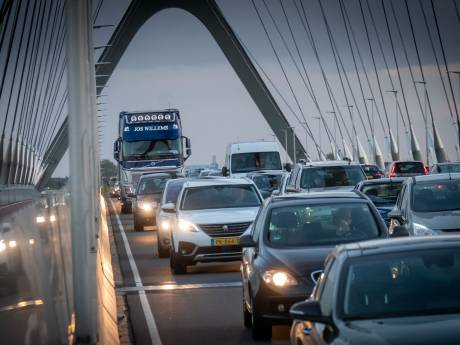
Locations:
column 288, row 167
column 224, row 171
column 116, row 149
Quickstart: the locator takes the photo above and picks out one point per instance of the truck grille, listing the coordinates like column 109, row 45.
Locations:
column 224, row 230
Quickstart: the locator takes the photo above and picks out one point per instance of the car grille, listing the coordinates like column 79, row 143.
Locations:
column 224, row 230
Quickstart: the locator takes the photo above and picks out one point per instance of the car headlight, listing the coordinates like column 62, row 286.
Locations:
column 165, row 225
column 422, row 230
column 279, row 278
column 186, row 226
column 147, row 206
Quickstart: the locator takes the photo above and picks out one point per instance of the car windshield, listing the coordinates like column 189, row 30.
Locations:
column 223, row 196
column 410, row 168
column 153, row 185
column 253, row 161
column 436, row 196
column 151, row 149
column 446, row 168
column 322, row 224
column 172, row 192
column 402, row 284
column 383, row 193
column 334, row 176
column 267, row 182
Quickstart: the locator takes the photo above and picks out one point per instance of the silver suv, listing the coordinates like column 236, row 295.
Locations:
column 325, row 176
column 208, row 219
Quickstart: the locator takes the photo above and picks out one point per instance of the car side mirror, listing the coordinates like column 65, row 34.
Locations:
column 224, row 171
column 399, row 231
column 292, row 189
column 396, row 214
column 247, row 241
column 169, row 208
column 116, row 149
column 309, row 310
column 288, row 167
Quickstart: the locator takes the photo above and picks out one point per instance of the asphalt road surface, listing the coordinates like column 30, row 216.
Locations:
column 202, row 307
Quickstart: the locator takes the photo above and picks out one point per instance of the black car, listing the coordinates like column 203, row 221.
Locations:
column 284, row 252
column 399, row 291
column 266, row 181
column 428, row 205
column 383, row 193
column 147, row 198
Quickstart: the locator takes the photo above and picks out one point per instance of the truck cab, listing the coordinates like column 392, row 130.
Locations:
column 245, row 157
column 149, row 141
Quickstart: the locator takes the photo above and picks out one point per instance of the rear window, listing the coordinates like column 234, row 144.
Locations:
column 383, row 193
column 323, row 224
column 370, row 169
column 436, row 196
column 452, row 168
column 334, row 176
column 224, row 196
column 410, row 168
column 267, row 182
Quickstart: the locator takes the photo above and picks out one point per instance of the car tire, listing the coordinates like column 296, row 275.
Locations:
column 125, row 209
column 261, row 328
column 138, row 224
column 177, row 264
column 163, row 251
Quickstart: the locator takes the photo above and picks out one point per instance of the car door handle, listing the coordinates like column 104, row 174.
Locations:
column 306, row 331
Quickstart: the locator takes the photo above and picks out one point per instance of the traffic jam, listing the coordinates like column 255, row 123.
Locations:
column 340, row 252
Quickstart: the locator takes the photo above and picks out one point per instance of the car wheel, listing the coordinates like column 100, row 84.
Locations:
column 138, row 224
column 163, row 251
column 261, row 328
column 176, row 263
column 125, row 209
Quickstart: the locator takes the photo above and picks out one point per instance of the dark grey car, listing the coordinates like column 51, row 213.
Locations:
column 399, row 291
column 428, row 205
column 284, row 253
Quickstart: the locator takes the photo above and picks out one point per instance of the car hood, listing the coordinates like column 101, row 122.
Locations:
column 419, row 330
column 220, row 215
column 299, row 261
column 447, row 220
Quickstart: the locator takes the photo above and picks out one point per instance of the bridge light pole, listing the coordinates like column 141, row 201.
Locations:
column 372, row 101
column 319, row 134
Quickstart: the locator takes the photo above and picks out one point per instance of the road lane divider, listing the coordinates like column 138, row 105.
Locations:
column 174, row 287
column 149, row 318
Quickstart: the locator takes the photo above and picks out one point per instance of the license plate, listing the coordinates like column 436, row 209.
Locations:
column 227, row 241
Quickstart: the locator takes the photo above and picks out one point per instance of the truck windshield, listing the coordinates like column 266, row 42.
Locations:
column 253, row 161
column 148, row 149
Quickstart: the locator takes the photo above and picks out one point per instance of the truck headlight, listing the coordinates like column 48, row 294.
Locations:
column 422, row 230
column 186, row 226
column 279, row 278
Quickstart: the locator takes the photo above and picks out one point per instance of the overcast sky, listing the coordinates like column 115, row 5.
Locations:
column 174, row 62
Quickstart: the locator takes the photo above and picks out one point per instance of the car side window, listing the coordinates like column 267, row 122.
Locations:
column 326, row 296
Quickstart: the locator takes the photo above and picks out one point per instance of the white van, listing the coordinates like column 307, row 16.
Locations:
column 242, row 158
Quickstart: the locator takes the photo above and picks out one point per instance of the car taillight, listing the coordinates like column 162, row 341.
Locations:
column 426, row 170
column 392, row 172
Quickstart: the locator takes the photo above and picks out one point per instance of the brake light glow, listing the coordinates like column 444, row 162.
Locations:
column 392, row 171
column 426, row 170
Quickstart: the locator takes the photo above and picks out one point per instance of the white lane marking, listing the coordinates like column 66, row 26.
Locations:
column 172, row 287
column 151, row 324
